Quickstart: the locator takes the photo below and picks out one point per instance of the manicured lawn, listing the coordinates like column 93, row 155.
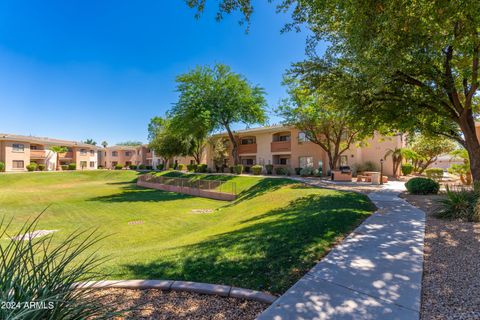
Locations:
column 265, row 240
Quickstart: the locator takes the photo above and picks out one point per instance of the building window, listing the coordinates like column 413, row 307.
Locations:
column 92, row 164
column 128, row 153
column 18, row 164
column 83, row 152
column 284, row 138
column 305, row 162
column 17, row 147
column 92, row 153
column 33, row 148
column 283, row 161
column 343, row 161
column 247, row 141
column 302, row 137
column 248, row 162
column 114, row 154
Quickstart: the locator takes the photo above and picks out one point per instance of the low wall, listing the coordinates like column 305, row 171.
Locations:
column 187, row 190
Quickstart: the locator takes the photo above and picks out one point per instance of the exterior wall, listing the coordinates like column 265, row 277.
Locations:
column 10, row 155
column 90, row 156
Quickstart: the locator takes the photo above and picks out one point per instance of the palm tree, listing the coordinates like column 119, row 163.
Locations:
column 90, row 141
column 104, row 144
column 397, row 158
column 58, row 150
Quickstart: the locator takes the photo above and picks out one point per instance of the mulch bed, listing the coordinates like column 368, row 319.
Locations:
column 157, row 304
column 451, row 276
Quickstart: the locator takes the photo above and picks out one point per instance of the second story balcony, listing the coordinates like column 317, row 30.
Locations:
column 247, row 148
column 66, row 155
column 38, row 154
column 281, row 142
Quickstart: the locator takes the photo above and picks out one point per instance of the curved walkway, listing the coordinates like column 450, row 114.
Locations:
column 375, row 273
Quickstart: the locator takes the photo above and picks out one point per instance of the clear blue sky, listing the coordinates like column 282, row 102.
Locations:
column 102, row 69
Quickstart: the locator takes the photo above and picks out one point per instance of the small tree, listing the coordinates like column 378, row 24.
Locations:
column 397, row 158
column 58, row 150
column 216, row 98
column 429, row 147
column 319, row 117
column 104, row 144
column 220, row 152
column 164, row 141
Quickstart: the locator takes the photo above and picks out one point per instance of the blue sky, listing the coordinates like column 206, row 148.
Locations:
column 102, row 69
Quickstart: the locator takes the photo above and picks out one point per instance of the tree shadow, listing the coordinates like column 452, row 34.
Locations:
column 269, row 252
column 133, row 193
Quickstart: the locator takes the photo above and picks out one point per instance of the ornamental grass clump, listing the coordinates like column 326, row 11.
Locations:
column 37, row 277
column 460, row 203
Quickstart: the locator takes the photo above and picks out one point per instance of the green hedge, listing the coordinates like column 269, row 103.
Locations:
column 41, row 167
column 281, row 171
column 133, row 167
column 422, row 186
column 32, row 167
column 72, row 166
column 2, row 166
column 407, row 168
column 238, row 169
column 202, row 168
column 118, row 167
column 257, row 169
column 434, row 173
column 160, row 166
column 64, row 167
column 182, row 167
column 269, row 168
column 141, row 167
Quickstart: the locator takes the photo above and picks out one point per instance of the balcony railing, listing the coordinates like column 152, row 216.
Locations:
column 66, row 155
column 281, row 146
column 149, row 155
column 247, row 148
column 38, row 154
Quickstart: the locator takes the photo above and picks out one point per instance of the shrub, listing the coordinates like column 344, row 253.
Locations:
column 41, row 167
column 57, row 267
column 202, row 168
column 308, row 171
column 281, row 171
column 192, row 167
column 64, row 167
column 72, row 166
column 297, row 171
column 407, row 168
column 269, row 168
column 422, row 186
column 367, row 166
column 2, row 166
column 149, row 167
column 133, row 167
column 434, row 173
column 257, row 169
column 238, row 169
column 32, row 167
column 118, row 167
column 231, row 169
column 160, row 166
column 246, row 169
column 182, row 167
column 100, row 166
column 460, row 204
column 141, row 167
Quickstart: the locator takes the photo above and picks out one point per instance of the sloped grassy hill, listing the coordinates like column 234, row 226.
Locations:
column 265, row 240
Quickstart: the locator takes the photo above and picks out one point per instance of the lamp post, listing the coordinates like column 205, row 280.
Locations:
column 381, row 171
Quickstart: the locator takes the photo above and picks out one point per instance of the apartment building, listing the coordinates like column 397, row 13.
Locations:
column 288, row 147
column 125, row 156
column 18, row 151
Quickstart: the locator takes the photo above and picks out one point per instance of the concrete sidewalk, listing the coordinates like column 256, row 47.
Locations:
column 375, row 273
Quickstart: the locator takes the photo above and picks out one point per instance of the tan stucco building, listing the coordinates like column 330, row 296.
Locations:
column 18, row 151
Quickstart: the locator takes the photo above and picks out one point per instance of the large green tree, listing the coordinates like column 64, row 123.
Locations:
column 419, row 60
column 216, row 98
column 428, row 148
column 164, row 141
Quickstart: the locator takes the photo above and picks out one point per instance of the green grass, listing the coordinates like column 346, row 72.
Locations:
column 266, row 240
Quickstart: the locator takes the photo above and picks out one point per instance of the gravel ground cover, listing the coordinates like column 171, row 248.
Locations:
column 451, row 277
column 162, row 305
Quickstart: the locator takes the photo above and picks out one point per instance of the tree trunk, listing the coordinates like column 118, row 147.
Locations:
column 467, row 124
column 57, row 165
column 236, row 159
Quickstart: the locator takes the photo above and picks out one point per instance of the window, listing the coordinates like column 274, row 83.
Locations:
column 83, row 152
column 343, row 161
column 283, row 161
column 92, row 164
column 33, row 148
column 128, row 153
column 284, row 138
column 17, row 147
column 302, row 137
column 114, row 154
column 92, row 153
column 18, row 164
column 114, row 163
column 248, row 162
column 247, row 141
column 305, row 162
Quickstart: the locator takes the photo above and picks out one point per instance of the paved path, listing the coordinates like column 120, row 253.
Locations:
column 375, row 273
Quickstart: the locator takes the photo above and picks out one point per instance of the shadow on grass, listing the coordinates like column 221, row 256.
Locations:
column 271, row 251
column 138, row 194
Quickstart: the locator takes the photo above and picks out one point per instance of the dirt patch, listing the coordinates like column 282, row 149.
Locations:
column 157, row 304
column 451, row 277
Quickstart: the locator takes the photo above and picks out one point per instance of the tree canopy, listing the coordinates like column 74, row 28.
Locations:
column 90, row 141
column 164, row 141
column 130, row 143
column 215, row 98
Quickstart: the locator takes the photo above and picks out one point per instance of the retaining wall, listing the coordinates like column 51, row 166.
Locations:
column 190, row 191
